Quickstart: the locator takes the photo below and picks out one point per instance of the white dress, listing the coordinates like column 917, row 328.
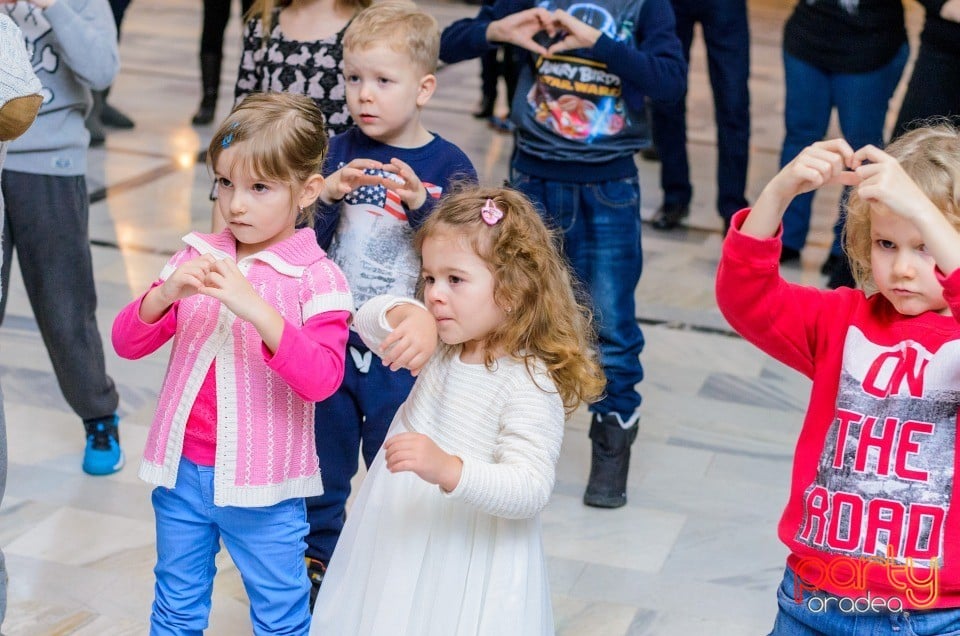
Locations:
column 413, row 560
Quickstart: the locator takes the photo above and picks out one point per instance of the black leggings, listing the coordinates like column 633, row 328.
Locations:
column 216, row 14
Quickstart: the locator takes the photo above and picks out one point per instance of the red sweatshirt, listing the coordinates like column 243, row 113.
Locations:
column 869, row 514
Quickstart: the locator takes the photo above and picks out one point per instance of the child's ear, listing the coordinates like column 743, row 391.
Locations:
column 312, row 188
column 428, row 84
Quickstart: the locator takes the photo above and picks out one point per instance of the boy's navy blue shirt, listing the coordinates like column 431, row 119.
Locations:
column 580, row 114
column 369, row 234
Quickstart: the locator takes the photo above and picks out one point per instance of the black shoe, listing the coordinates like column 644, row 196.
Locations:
column 485, row 111
column 669, row 215
column 315, row 571
column 206, row 112
column 789, row 255
column 610, row 461
column 650, row 153
column 112, row 117
column 841, row 276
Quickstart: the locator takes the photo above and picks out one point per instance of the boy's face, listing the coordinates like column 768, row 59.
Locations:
column 903, row 270
column 385, row 93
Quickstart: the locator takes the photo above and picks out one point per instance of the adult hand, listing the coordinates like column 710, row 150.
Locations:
column 520, row 28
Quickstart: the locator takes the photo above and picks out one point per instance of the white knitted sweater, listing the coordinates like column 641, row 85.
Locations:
column 505, row 423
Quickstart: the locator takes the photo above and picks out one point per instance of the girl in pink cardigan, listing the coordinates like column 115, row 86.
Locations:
column 259, row 318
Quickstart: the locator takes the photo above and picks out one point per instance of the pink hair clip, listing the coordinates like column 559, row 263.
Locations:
column 491, row 213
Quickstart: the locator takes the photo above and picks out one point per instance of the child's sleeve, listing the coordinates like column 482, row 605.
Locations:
column 310, row 358
column 951, row 290
column 372, row 324
column 785, row 320
column 132, row 337
column 519, row 481
column 653, row 65
column 87, row 41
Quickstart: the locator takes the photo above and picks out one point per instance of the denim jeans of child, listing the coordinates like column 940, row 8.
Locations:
column 812, row 93
column 818, row 617
column 601, row 238
column 265, row 543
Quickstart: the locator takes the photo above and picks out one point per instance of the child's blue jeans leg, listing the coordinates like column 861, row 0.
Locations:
column 265, row 543
column 817, row 614
column 601, row 238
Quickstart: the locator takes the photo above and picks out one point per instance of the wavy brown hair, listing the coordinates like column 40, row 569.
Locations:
column 263, row 9
column 546, row 320
column 931, row 157
column 284, row 139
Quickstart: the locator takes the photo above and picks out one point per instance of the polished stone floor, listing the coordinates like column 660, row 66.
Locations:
column 695, row 550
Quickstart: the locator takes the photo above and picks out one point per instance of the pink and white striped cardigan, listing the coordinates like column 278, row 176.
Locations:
column 265, row 433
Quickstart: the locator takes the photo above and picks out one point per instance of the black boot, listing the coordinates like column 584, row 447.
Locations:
column 112, row 117
column 607, row 487
column 93, row 123
column 210, row 79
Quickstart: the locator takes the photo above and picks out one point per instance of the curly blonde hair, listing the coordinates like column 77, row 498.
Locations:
column 284, row 139
column 263, row 9
column 546, row 320
column 931, row 157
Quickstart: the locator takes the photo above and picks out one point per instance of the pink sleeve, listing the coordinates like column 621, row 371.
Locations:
column 133, row 338
column 310, row 359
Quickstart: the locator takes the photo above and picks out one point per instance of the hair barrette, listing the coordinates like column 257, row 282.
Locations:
column 490, row 213
column 228, row 138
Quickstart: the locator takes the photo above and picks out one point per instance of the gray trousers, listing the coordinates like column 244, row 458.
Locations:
column 47, row 221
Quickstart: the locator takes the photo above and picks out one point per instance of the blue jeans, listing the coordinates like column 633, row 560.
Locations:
column 861, row 102
column 601, row 238
column 819, row 618
column 727, row 38
column 355, row 419
column 266, row 544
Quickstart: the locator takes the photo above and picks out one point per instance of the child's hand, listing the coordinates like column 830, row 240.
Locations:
column 950, row 10
column 413, row 340
column 520, row 28
column 884, row 181
column 349, row 178
column 821, row 163
column 187, row 279
column 410, row 189
column 577, row 34
column 227, row 284
column 415, row 452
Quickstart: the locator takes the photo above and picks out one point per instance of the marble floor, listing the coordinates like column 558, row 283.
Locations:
column 695, row 550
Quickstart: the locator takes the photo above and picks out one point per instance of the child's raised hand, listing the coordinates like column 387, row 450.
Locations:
column 349, row 178
column 413, row 340
column 576, row 33
column 817, row 165
column 411, row 190
column 415, row 452
column 883, row 180
column 522, row 27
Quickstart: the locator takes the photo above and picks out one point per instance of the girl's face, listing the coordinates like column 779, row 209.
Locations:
column 458, row 290
column 902, row 269
column 258, row 212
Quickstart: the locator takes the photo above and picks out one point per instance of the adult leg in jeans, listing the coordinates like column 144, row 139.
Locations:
column 46, row 220
column 862, row 100
column 806, row 116
column 727, row 36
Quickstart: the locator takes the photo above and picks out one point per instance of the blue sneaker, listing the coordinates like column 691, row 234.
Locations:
column 103, row 455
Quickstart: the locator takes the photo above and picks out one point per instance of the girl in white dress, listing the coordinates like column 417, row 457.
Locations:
column 444, row 537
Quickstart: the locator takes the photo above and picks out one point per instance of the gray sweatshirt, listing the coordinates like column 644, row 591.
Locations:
column 73, row 48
